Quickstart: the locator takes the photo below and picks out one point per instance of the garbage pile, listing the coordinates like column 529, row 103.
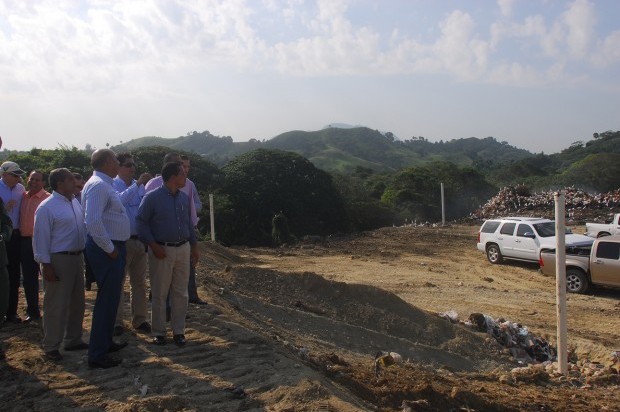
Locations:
column 582, row 374
column 538, row 358
column 523, row 346
column 580, row 205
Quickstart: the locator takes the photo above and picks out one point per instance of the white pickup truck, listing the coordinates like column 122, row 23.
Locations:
column 604, row 229
column 598, row 264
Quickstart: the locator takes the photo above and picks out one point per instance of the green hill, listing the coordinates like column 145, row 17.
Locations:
column 344, row 150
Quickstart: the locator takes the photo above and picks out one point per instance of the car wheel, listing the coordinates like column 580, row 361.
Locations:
column 494, row 254
column 576, row 281
column 603, row 234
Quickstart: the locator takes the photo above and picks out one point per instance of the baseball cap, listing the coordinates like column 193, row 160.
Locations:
column 11, row 167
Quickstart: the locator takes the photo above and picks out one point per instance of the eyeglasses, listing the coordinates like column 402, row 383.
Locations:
column 129, row 165
column 14, row 175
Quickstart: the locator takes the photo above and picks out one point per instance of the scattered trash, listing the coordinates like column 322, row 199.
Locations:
column 303, row 352
column 144, row 389
column 385, row 359
column 450, row 315
column 237, row 392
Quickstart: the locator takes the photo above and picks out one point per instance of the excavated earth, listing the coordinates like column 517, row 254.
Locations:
column 297, row 328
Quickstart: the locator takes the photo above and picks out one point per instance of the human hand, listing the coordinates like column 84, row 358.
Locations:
column 49, row 273
column 158, row 250
column 144, row 178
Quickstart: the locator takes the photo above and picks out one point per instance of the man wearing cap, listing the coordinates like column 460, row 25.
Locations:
column 107, row 226
column 11, row 192
column 164, row 224
column 59, row 238
column 31, row 199
column 131, row 192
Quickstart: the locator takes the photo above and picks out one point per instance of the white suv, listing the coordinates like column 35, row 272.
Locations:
column 521, row 238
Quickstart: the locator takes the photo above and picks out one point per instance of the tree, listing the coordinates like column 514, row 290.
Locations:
column 262, row 183
column 415, row 192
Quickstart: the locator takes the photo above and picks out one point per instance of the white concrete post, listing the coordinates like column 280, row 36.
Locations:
column 212, row 216
column 560, row 282
column 443, row 208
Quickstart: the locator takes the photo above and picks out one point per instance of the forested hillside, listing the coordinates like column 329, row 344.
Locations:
column 345, row 180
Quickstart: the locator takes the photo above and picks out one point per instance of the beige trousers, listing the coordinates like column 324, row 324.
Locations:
column 63, row 302
column 135, row 269
column 169, row 274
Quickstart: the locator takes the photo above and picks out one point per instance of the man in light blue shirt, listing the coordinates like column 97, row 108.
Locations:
column 11, row 192
column 58, row 237
column 131, row 192
column 108, row 229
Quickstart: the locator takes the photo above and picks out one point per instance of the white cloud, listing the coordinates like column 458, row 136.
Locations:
column 505, row 7
column 580, row 21
column 107, row 46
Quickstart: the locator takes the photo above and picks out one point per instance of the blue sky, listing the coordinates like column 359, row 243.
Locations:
column 537, row 74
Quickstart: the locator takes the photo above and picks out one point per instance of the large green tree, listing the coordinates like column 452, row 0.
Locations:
column 262, row 183
column 416, row 192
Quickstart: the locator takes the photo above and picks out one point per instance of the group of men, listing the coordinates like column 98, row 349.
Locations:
column 121, row 225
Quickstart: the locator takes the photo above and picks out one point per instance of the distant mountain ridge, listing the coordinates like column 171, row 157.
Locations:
column 345, row 149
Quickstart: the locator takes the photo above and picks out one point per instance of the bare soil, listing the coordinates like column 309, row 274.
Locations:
column 297, row 329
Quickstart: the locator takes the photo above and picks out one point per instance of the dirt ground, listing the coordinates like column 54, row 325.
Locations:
column 297, row 329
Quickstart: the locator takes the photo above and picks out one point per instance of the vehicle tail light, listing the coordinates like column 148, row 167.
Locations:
column 540, row 261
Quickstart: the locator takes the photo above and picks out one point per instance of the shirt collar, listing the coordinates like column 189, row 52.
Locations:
column 103, row 176
column 57, row 195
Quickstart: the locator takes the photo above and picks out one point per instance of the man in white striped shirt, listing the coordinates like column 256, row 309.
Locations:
column 107, row 225
column 59, row 235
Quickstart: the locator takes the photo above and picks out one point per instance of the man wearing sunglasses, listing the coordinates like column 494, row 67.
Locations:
column 131, row 192
column 11, row 192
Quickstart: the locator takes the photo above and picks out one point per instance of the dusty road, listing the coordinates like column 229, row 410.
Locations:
column 297, row 329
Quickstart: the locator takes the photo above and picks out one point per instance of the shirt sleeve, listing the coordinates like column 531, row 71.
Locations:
column 94, row 204
column 145, row 212
column 192, row 232
column 42, row 235
column 196, row 198
column 126, row 195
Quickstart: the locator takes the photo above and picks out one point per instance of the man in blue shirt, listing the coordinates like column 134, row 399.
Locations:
column 108, row 229
column 11, row 192
column 131, row 192
column 58, row 241
column 164, row 224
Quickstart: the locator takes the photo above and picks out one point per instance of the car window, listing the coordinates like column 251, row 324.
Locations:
column 546, row 229
column 523, row 229
column 490, row 226
column 608, row 250
column 508, row 229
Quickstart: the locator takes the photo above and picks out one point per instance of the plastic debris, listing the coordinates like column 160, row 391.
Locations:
column 450, row 315
column 386, row 359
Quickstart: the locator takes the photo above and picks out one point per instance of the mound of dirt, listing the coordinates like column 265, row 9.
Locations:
column 355, row 317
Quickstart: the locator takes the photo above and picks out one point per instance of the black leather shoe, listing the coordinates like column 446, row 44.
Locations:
column 179, row 340
column 159, row 340
column 144, row 327
column 198, row 301
column 32, row 319
column 115, row 347
column 105, row 363
column 53, row 355
column 118, row 330
column 79, row 346
column 14, row 319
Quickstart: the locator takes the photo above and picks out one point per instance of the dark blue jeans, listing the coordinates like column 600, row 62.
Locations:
column 108, row 274
column 30, row 274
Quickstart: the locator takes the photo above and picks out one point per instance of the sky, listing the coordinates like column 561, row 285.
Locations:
column 539, row 75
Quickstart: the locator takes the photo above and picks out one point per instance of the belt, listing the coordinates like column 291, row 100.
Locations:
column 118, row 242
column 173, row 244
column 67, row 252
column 134, row 237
